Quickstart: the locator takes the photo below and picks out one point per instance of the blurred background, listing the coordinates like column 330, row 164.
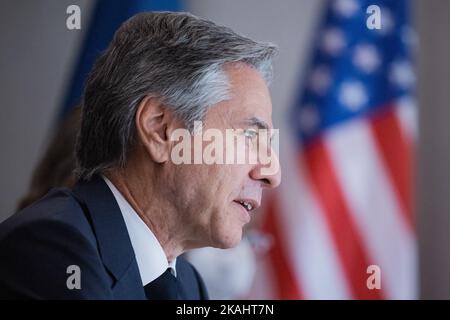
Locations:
column 361, row 98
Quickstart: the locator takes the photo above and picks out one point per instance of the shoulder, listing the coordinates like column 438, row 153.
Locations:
column 39, row 245
column 59, row 207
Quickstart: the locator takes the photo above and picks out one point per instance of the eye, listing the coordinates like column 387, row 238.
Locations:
column 250, row 133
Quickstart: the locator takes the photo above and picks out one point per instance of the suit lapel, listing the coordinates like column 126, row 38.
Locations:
column 109, row 226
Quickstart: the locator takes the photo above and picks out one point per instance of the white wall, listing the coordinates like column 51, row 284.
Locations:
column 433, row 190
column 36, row 55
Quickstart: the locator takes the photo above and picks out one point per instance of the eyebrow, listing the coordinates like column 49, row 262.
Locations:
column 256, row 122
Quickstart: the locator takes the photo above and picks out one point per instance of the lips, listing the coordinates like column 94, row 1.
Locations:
column 248, row 204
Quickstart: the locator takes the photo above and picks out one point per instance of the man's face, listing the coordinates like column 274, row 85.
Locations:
column 209, row 197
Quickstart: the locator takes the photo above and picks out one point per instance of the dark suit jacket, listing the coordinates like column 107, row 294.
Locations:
column 82, row 227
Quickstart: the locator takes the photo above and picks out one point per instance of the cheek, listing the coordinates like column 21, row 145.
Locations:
column 211, row 211
column 226, row 229
column 205, row 193
column 220, row 182
column 224, row 187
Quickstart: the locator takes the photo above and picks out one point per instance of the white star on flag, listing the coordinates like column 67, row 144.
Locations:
column 320, row 79
column 345, row 8
column 402, row 75
column 333, row 41
column 352, row 95
column 366, row 58
column 309, row 119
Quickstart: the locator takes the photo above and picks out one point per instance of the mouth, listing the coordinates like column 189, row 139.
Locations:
column 247, row 204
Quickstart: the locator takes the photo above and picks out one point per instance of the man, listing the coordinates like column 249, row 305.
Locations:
column 119, row 232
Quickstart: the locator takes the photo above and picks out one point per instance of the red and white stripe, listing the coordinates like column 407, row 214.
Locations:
column 345, row 202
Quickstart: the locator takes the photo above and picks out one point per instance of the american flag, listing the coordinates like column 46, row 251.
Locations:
column 346, row 199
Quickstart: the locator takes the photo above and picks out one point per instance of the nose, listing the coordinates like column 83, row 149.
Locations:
column 268, row 174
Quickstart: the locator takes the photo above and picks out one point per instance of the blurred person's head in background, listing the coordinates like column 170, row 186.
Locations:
column 55, row 169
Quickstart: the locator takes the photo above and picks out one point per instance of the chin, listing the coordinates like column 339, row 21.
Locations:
column 233, row 244
column 228, row 241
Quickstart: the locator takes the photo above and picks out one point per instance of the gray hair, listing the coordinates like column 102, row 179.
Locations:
column 176, row 57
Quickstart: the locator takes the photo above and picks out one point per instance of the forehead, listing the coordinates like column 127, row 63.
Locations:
column 249, row 98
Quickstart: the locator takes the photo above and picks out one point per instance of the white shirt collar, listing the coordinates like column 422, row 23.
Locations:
column 151, row 259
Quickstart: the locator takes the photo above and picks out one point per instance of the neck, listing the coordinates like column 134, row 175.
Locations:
column 151, row 205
